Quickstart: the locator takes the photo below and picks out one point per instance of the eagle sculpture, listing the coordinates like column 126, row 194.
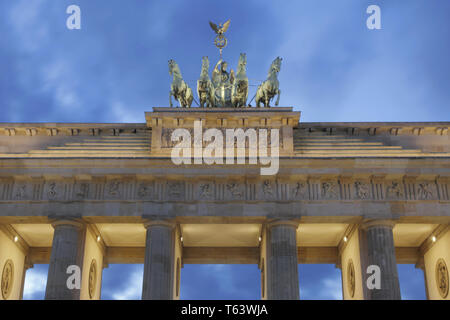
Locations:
column 221, row 29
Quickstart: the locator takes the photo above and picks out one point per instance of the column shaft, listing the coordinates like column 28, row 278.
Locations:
column 159, row 261
column 281, row 261
column 380, row 251
column 67, row 250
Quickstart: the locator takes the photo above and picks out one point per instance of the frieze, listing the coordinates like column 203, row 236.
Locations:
column 129, row 188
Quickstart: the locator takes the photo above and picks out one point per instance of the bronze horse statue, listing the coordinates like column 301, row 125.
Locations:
column 179, row 89
column 239, row 90
column 205, row 89
column 270, row 88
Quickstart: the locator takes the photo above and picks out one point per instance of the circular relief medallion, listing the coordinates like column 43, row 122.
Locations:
column 92, row 278
column 351, row 278
column 442, row 278
column 7, row 279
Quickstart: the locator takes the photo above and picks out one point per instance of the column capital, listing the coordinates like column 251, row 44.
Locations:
column 28, row 264
column 78, row 223
column 282, row 222
column 170, row 223
column 370, row 223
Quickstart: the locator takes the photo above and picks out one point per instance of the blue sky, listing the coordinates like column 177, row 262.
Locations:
column 219, row 282
column 334, row 69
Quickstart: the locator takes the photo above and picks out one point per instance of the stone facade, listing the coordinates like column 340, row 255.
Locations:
column 114, row 179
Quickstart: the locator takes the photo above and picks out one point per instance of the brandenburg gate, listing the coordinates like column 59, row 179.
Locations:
column 364, row 196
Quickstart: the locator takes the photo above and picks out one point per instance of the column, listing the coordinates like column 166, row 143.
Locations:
column 67, row 250
column 281, row 262
column 377, row 249
column 159, row 260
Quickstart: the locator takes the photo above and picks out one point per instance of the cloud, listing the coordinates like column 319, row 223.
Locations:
column 329, row 288
column 132, row 288
column 35, row 283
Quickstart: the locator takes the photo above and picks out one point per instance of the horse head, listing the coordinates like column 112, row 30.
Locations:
column 276, row 65
column 242, row 60
column 205, row 63
column 173, row 68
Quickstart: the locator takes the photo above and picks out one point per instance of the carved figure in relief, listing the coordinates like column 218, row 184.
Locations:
column 83, row 191
column 144, row 190
column 21, row 192
column 233, row 188
column 362, row 190
column 425, row 191
column 328, row 190
column 175, row 189
column 267, row 189
column 394, row 190
column 114, row 188
column 299, row 190
column 52, row 193
column 205, row 191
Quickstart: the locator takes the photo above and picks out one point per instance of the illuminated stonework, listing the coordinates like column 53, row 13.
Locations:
column 7, row 279
column 351, row 278
column 442, row 282
column 92, row 278
column 92, row 194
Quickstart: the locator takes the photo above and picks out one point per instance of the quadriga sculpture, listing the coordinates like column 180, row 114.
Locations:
column 239, row 91
column 205, row 89
column 179, row 89
column 269, row 88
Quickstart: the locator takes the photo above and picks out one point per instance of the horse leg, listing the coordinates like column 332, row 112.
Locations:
column 266, row 99
column 278, row 99
column 170, row 98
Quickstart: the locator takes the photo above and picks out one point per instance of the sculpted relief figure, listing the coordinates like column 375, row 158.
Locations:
column 175, row 189
column 267, row 189
column 52, row 190
column 144, row 190
column 362, row 190
column 233, row 188
column 21, row 192
column 328, row 190
column 114, row 188
column 206, row 191
column 300, row 190
column 394, row 191
column 425, row 191
column 83, row 191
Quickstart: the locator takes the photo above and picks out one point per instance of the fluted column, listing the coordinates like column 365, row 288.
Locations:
column 67, row 250
column 282, row 261
column 159, row 260
column 378, row 250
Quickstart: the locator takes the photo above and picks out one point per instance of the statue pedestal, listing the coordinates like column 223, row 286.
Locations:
column 164, row 121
